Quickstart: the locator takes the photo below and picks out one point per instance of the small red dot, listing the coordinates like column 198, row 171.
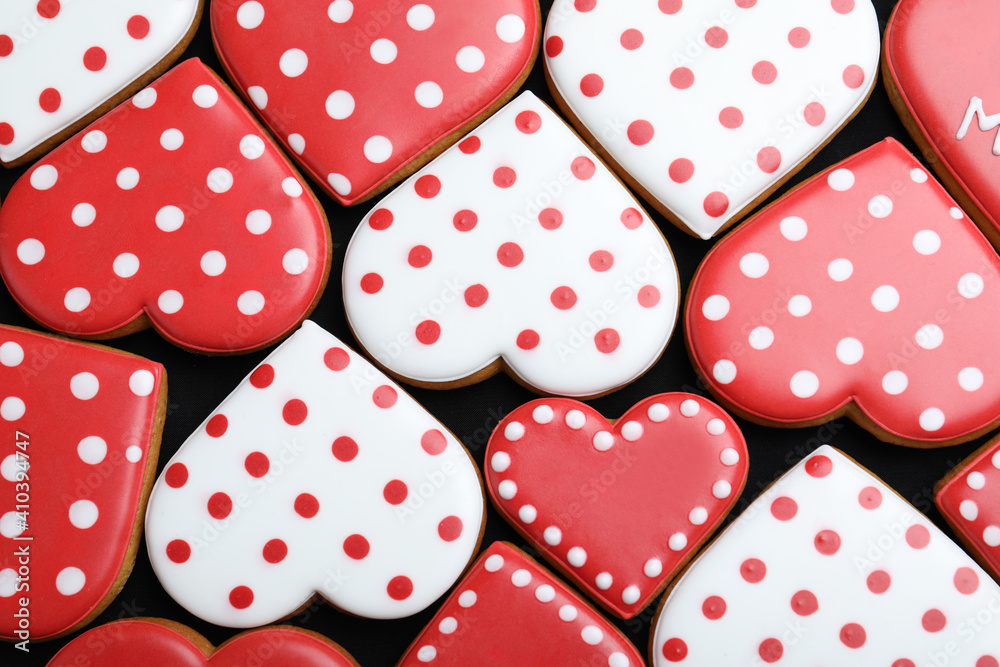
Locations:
column 745, row 4
column 804, row 603
column 419, row 256
column 345, row 449
column 771, row 650
column 904, row 662
column 591, row 85
column 670, row 6
column 640, row 132
column 504, row 177
column 400, row 588
column 336, row 359
column 681, row 170
column 428, row 186
column 384, row 397
column 465, row 220
column 241, row 597
column 784, row 508
column 510, row 255
column 563, row 298
column 48, row 9
column 649, row 296
column 95, row 59
column 138, row 27
column 769, row 159
column 176, row 475
column 257, row 464
column 372, row 283
column 6, row 134
column 450, row 528
column 220, row 505
column 380, row 219
column 716, row 204
column 713, row 608
column 716, row 37
column 879, row 582
column 632, row 39
column 275, row 551
column 934, row 620
column 395, row 492
column 753, row 570
column 550, row 219
column 50, row 100
column 682, row 78
column 765, row 72
column 918, row 537
column 819, row 466
column 870, row 498
column 294, row 412
column 854, row 77
column 966, row 581
column 476, row 296
column 6, row 46
column 553, row 46
column 470, row 145
column 601, row 261
column 528, row 122
column 583, row 168
column 306, row 505
column 428, row 332
column 827, row 542
column 842, row 6
column 853, row 635
column 731, row 118
column 584, row 5
column 675, row 649
column 356, row 547
column 178, row 551
column 433, row 442
column 814, row 114
column 217, row 426
column 631, row 218
column 263, row 376
column 528, row 339
column 799, row 37
column 607, row 341
column 987, row 661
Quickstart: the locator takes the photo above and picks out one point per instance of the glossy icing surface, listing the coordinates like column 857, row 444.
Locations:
column 706, row 104
column 971, row 503
column 940, row 93
column 618, row 508
column 359, row 89
column 516, row 244
column 511, row 611
column 78, row 425
column 865, row 285
column 175, row 206
column 316, row 476
column 830, row 566
column 143, row 641
column 61, row 60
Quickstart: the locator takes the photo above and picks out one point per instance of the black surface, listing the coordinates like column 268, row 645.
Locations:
column 198, row 384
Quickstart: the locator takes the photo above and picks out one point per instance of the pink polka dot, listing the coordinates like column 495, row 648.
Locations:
column 528, row 122
column 50, row 100
column 178, row 551
column 48, row 9
column 220, row 505
column 853, row 635
column 257, row 464
column 563, row 298
column 6, row 46
column 380, row 219
column 241, row 597
column 419, row 256
column 753, row 570
column 842, row 6
column 395, row 492
column 814, row 114
column 799, row 37
column 640, row 132
column 217, row 426
column 632, row 39
column 904, row 662
column 433, row 442
column 528, row 339
column 713, row 608
column 95, row 59
column 138, row 27
column 607, row 341
column 306, row 505
column 670, row 6
column 336, row 359
column 716, row 37
column 263, row 376
column 918, row 537
column 428, row 186
column 504, row 177
column 649, row 296
column 870, row 498
column 428, row 332
column 765, row 72
column 827, row 542
column 716, row 204
column 631, row 218
column 819, row 466
column 681, row 170
column 372, row 283
column 345, row 449
column 879, row 582
column 400, row 588
column 176, row 476
column 933, row 620
column 550, row 219
column 583, row 168
column 465, row 220
column 601, row 260
column 275, row 551
column 294, row 412
column 784, row 508
column 804, row 603
column 6, row 134
column 470, row 145
column 553, row 46
column 769, row 159
column 987, row 661
column 450, row 528
column 591, row 85
column 384, row 397
column 966, row 581
column 682, row 78
column 356, row 547
column 854, row 77
column 675, row 649
column 584, row 5
column 770, row 650
column 476, row 296
column 510, row 255
column 745, row 4
column 731, row 118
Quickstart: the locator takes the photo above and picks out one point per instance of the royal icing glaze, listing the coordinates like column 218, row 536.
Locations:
column 317, row 476
column 81, row 435
column 360, row 90
column 830, row 566
column 951, row 102
column 511, row 611
column 175, row 210
column 59, row 61
column 515, row 248
column 160, row 643
column 708, row 104
column 867, row 291
column 970, row 501
column 620, row 508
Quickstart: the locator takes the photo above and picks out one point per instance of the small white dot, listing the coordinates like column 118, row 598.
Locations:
column 794, row 228
column 11, row 525
column 514, row 431
column 971, row 285
column 77, row 300
column 592, row 635
column 142, row 382
column 996, row 460
column 840, row 270
column 850, row 351
column 576, row 420
column 761, row 338
column 576, row 557
column 8, row 582
column 552, row 536
column 44, row 177
column 340, row 11
column 632, row 431
column 931, row 419
column 213, row 263
column 918, row 175
column 804, row 384
column 677, row 541
column 429, row 95
column 970, row 379
column 172, row 139
column 83, row 514
column 690, row 408
column 754, row 265
column 295, row 262
column 12, row 408
column 448, row 625
column 84, row 214
column 991, row 536
column 92, row 450
column 170, row 301
column 885, row 299
column 250, row 15
column 383, row 51
column 84, row 386
column 722, row 489
column 293, row 63
column 956, row 213
column 976, row 481
column 543, row 414
column 94, row 142
column 127, row 178
column 144, row 99
column 510, row 28
column 258, row 96
column 567, row 613
column 841, row 180
column 220, row 180
column 133, row 453
column 698, row 516
column 929, row 336
column 378, row 149
column 715, row 307
column 969, row 510
column 291, row 187
column 631, row 595
column 297, row 143
column 880, row 206
column 652, row 568
column 467, row 599
column 799, row 305
column 30, row 251
column 894, row 383
column 724, row 371
column 715, row 426
column 250, row 302
column 618, row 659
column 520, row 578
column 470, row 59
column 70, row 581
column 11, row 354
column 169, row 219
column 340, row 105
column 205, row 96
column 494, row 563
column 507, row 489
column 251, row 146
column 604, row 580
column 426, row 653
column 258, row 222
column 420, row 17
column 729, row 456
column 926, row 242
column 527, row 514
column 603, row 441
column 545, row 593
column 340, row 184
column 500, row 462
column 658, row 413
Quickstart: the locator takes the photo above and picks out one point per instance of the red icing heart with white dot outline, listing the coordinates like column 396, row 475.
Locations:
column 364, row 91
column 867, row 292
column 617, row 509
column 81, row 429
column 509, row 610
column 174, row 211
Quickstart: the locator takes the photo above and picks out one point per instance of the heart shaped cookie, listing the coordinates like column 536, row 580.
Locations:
column 365, row 92
column 316, row 476
column 174, row 211
column 707, row 106
column 63, row 64
column 949, row 104
column 81, row 433
column 515, row 250
column 865, row 292
column 157, row 642
column 510, row 611
column 830, row 566
column 618, row 509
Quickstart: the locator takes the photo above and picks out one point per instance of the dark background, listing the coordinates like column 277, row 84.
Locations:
column 198, row 384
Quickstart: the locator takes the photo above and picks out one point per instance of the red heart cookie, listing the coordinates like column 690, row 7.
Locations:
column 865, row 292
column 509, row 610
column 156, row 642
column 80, row 428
column 950, row 104
column 617, row 509
column 174, row 211
column 365, row 92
